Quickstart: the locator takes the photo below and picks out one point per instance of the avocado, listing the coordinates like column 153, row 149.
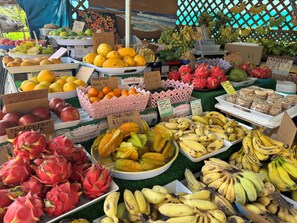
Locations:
column 236, row 74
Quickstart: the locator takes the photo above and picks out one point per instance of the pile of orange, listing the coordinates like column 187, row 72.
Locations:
column 96, row 95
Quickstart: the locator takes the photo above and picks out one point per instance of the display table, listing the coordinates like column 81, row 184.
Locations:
column 208, row 97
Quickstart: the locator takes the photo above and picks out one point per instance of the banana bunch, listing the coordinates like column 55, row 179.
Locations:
column 256, row 147
column 148, row 54
column 277, row 21
column 195, row 186
column 241, row 186
column 257, row 9
column 282, row 172
column 280, row 207
column 135, row 148
column 261, row 210
column 238, row 9
column 236, row 219
column 212, row 122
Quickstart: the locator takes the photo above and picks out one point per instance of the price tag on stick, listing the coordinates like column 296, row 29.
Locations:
column 101, row 82
column 165, row 109
column 228, row 87
column 115, row 120
column 196, row 107
column 60, row 52
column 78, row 26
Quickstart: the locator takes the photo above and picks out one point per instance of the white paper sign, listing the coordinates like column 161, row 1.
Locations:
column 196, row 107
column 279, row 65
column 60, row 52
column 78, row 26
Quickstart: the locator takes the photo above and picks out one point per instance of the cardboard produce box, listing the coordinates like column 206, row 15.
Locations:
column 249, row 52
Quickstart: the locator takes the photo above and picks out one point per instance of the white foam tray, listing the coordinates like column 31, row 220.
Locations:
column 75, row 42
column 225, row 147
column 250, row 80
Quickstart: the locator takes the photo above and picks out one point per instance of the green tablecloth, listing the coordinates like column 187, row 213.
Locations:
column 208, row 97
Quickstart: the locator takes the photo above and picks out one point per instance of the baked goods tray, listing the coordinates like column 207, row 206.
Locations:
column 67, row 64
column 253, row 116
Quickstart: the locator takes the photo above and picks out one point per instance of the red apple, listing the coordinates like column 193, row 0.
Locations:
column 28, row 119
column 60, row 106
column 1, row 115
column 54, row 101
column 12, row 117
column 42, row 112
column 69, row 114
column 4, row 125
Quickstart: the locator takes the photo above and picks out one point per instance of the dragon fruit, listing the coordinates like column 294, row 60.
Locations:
column 7, row 196
column 62, row 198
column 52, row 169
column 15, row 171
column 24, row 209
column 96, row 181
column 30, row 143
column 77, row 171
column 187, row 78
column 183, row 69
column 174, row 75
column 79, row 155
column 33, row 185
column 212, row 83
column 199, row 83
column 2, row 213
column 62, row 146
column 202, row 71
column 216, row 72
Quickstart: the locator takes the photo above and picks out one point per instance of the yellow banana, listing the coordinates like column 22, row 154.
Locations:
column 176, row 210
column 198, row 147
column 218, row 215
column 285, row 176
column 107, row 220
column 190, row 136
column 130, row 202
column 269, row 150
column 236, row 219
column 111, row 204
column 216, row 121
column 215, row 128
column 249, row 188
column 192, row 183
column 223, row 204
column 140, row 199
column 255, row 179
column 202, row 205
column 230, row 195
column 200, row 119
column 201, row 195
column 240, row 195
column 216, row 145
column 171, row 125
column 289, row 166
column 217, row 183
column 253, row 208
column 153, row 196
column 161, row 189
column 211, row 177
column 217, row 115
column 275, row 177
column 189, row 218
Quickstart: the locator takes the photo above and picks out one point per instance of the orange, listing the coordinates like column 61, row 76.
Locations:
column 124, row 92
column 34, row 79
column 100, row 94
column 129, row 60
column 70, row 86
column 106, row 90
column 45, row 75
column 94, row 99
column 60, row 81
column 93, row 92
column 108, row 96
column 89, row 95
column 117, row 92
column 132, row 91
column 111, row 93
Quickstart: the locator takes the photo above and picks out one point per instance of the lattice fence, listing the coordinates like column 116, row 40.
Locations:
column 190, row 10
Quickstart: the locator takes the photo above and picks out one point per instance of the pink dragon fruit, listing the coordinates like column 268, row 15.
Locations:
column 24, row 209
column 212, row 83
column 174, row 75
column 62, row 146
column 30, row 143
column 15, row 171
column 62, row 198
column 77, row 171
column 202, row 71
column 2, row 213
column 52, row 169
column 199, row 83
column 79, row 155
column 187, row 78
column 184, row 69
column 33, row 185
column 7, row 196
column 4, row 41
column 96, row 181
column 217, row 72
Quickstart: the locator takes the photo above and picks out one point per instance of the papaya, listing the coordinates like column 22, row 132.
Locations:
column 236, row 74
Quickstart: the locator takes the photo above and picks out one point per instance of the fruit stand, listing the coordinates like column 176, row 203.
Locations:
column 159, row 119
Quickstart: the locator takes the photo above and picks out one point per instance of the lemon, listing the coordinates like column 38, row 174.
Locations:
column 45, row 83
column 140, row 60
column 89, row 58
column 129, row 60
column 34, row 79
column 126, row 51
column 99, row 60
column 64, row 77
column 55, row 87
column 71, row 79
column 79, row 82
column 69, row 86
column 113, row 54
column 42, row 86
column 103, row 49
column 29, row 86
column 60, row 81
column 25, row 82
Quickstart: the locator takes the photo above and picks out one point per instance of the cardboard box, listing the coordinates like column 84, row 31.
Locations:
column 250, row 53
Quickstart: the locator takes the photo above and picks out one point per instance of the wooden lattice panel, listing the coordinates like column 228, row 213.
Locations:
column 78, row 5
column 190, row 10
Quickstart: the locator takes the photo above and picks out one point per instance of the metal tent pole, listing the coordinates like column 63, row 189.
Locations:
column 127, row 22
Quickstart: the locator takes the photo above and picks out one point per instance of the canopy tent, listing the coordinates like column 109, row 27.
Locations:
column 44, row 12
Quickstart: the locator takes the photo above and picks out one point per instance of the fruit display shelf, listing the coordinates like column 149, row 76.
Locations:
column 67, row 64
column 75, row 42
column 24, row 55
